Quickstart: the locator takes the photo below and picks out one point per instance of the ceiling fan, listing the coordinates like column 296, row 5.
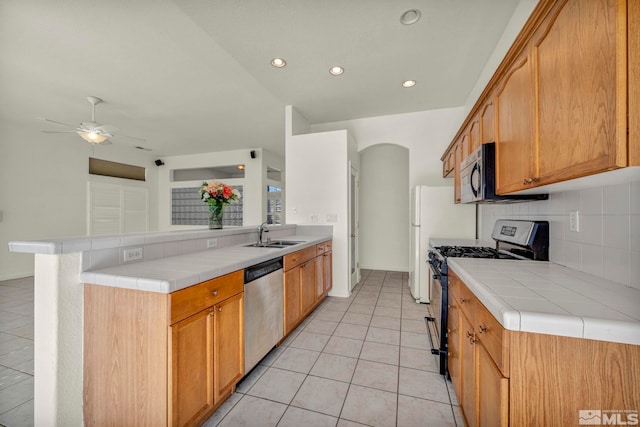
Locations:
column 92, row 132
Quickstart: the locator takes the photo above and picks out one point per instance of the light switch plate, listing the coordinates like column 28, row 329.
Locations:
column 314, row 217
column 574, row 221
column 212, row 243
column 332, row 217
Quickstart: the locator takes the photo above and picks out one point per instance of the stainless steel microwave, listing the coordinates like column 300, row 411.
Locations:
column 478, row 179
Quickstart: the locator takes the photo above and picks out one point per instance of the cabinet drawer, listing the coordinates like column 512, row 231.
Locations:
column 299, row 257
column 323, row 247
column 193, row 299
column 467, row 302
column 493, row 337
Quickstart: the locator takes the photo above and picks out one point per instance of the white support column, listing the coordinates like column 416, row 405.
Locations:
column 58, row 319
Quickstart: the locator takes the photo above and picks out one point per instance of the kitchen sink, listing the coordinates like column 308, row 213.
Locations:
column 274, row 244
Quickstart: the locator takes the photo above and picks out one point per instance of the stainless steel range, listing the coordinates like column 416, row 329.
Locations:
column 515, row 240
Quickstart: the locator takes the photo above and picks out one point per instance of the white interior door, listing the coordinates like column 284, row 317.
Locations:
column 354, row 263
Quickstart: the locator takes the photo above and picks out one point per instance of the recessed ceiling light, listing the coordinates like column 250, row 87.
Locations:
column 336, row 71
column 408, row 83
column 278, row 62
column 411, row 16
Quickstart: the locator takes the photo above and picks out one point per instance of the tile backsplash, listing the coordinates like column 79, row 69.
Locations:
column 608, row 241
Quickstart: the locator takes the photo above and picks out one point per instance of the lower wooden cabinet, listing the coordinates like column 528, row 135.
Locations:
column 511, row 378
column 162, row 359
column 307, row 279
column 192, row 368
column 493, row 391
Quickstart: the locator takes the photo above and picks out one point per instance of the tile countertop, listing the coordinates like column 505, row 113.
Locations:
column 547, row 298
column 170, row 274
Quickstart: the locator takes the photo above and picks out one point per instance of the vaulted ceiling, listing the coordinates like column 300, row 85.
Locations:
column 194, row 76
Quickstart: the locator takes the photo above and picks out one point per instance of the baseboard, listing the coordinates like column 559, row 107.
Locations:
column 15, row 276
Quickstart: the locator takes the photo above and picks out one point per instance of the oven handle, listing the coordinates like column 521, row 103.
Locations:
column 438, row 274
column 434, row 350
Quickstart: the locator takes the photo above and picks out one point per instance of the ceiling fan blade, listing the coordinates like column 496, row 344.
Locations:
column 106, row 129
column 56, row 122
column 137, row 138
column 58, row 131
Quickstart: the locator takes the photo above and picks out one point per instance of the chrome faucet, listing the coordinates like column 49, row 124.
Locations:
column 262, row 229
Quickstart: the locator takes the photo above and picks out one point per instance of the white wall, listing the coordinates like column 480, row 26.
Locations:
column 254, row 181
column 515, row 24
column 318, row 184
column 426, row 135
column 384, row 207
column 43, row 188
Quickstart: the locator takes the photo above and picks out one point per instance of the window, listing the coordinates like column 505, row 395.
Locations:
column 188, row 209
column 274, row 204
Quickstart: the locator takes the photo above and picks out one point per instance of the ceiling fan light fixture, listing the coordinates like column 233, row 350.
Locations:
column 336, row 71
column 278, row 62
column 408, row 83
column 93, row 137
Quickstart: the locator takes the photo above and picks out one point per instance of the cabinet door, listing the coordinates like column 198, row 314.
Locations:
column 456, row 173
column 228, row 341
column 192, row 368
column 468, row 371
column 292, row 302
column 308, row 285
column 453, row 346
column 474, row 134
column 319, row 276
column 514, row 154
column 487, row 121
column 493, row 392
column 327, row 274
column 581, row 109
column 633, row 39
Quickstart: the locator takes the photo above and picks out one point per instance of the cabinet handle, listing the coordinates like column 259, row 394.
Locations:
column 219, row 308
column 215, row 293
column 469, row 334
column 211, row 313
column 534, row 179
column 482, row 329
column 472, row 341
column 524, row 181
column 462, row 301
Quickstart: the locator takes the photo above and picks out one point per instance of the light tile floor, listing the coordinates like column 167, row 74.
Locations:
column 359, row 361
column 16, row 352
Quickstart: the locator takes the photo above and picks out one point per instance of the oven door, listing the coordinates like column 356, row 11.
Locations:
column 437, row 322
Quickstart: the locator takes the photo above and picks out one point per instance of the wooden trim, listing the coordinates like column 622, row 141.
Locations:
column 553, row 377
column 633, row 77
column 125, row 357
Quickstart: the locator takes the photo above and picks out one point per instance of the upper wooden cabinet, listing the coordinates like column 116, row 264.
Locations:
column 579, row 57
column 474, row 134
column 566, row 96
column 514, row 159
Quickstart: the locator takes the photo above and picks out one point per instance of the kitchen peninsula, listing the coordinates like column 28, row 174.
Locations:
column 170, row 261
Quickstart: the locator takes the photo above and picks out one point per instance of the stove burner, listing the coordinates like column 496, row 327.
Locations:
column 471, row 252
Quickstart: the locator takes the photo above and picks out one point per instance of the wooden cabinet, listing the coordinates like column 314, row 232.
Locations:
column 474, row 134
column 580, row 101
column 514, row 132
column 504, row 377
column 162, row 359
column 565, row 101
column 305, row 276
column 457, row 189
column 482, row 388
column 327, row 270
column 228, row 346
column 192, row 368
column 487, row 122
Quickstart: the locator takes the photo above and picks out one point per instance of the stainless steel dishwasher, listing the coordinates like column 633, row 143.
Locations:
column 263, row 311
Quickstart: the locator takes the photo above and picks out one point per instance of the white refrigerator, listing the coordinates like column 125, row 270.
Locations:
column 433, row 214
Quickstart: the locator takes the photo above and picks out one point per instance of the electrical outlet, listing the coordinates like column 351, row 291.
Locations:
column 332, row 217
column 212, row 243
column 314, row 217
column 574, row 221
column 134, row 254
